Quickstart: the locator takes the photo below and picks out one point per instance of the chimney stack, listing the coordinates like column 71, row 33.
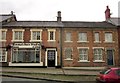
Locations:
column 107, row 13
column 59, row 16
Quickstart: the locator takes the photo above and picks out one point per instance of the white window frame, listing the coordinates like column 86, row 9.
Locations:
column 110, row 35
column 70, row 58
column 85, row 36
column 51, row 30
column 36, row 30
column 97, row 40
column 87, row 48
column 102, row 48
column 1, row 49
column 22, row 30
column 5, row 30
column 68, row 37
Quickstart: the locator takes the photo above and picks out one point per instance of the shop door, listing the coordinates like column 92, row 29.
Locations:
column 110, row 54
column 51, row 58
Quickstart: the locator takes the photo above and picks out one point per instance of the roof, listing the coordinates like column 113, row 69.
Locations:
column 114, row 21
column 76, row 24
column 5, row 17
column 34, row 24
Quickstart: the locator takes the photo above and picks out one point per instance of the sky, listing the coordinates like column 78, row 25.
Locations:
column 71, row 10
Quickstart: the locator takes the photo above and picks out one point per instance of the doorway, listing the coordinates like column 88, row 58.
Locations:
column 110, row 58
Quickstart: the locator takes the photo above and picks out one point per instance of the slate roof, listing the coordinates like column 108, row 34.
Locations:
column 76, row 24
column 5, row 17
column 34, row 24
column 114, row 21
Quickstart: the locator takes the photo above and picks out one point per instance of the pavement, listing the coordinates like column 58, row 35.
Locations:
column 66, row 71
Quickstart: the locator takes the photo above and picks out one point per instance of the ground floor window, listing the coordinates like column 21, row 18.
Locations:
column 98, row 54
column 83, row 54
column 68, row 53
column 3, row 55
column 29, row 55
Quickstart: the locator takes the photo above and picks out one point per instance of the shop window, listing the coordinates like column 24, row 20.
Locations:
column 29, row 55
column 3, row 55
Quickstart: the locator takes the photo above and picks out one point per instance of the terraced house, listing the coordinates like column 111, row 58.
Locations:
column 58, row 43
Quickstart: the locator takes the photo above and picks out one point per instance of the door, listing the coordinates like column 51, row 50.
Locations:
column 110, row 54
column 51, row 58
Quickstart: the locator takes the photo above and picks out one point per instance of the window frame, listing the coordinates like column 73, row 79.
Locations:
column 1, row 30
column 36, row 30
column 84, row 38
column 106, row 39
column 97, row 40
column 1, row 50
column 18, row 30
column 49, row 39
column 68, row 39
column 70, row 56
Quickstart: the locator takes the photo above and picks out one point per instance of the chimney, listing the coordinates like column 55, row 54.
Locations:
column 107, row 13
column 12, row 12
column 59, row 16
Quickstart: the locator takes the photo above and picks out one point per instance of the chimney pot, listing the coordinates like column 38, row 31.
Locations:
column 107, row 13
column 59, row 16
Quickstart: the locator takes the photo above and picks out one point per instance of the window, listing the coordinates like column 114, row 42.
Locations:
column 96, row 37
column 3, row 55
column 18, row 35
column 28, row 55
column 98, row 54
column 108, row 37
column 82, row 37
column 68, row 37
column 68, row 53
column 83, row 54
column 51, row 35
column 3, row 34
column 36, row 35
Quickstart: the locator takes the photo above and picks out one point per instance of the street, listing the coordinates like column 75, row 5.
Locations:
column 24, row 80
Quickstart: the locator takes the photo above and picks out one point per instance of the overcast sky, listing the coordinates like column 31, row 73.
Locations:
column 71, row 10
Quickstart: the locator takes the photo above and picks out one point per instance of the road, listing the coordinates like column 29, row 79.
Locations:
column 23, row 80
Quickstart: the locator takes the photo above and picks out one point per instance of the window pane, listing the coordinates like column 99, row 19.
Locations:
column 108, row 37
column 97, row 37
column 2, row 55
column 68, row 36
column 36, row 35
column 97, row 54
column 82, row 36
column 83, row 54
column 18, row 35
column 51, row 35
column 68, row 53
column 3, row 35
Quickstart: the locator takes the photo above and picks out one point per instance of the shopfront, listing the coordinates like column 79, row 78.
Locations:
column 26, row 54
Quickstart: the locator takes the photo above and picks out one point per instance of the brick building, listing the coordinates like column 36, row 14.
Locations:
column 58, row 43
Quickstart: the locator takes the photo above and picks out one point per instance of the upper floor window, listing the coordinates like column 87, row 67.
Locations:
column 68, row 37
column 3, row 55
column 82, row 37
column 36, row 35
column 18, row 34
column 108, row 37
column 51, row 34
column 96, row 37
column 3, row 34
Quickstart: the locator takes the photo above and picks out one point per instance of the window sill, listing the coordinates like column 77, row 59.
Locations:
column 109, row 42
column 68, row 59
column 84, row 61
column 68, row 41
column 83, row 41
column 98, row 61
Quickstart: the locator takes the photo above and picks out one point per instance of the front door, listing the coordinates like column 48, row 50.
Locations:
column 51, row 58
column 110, row 54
